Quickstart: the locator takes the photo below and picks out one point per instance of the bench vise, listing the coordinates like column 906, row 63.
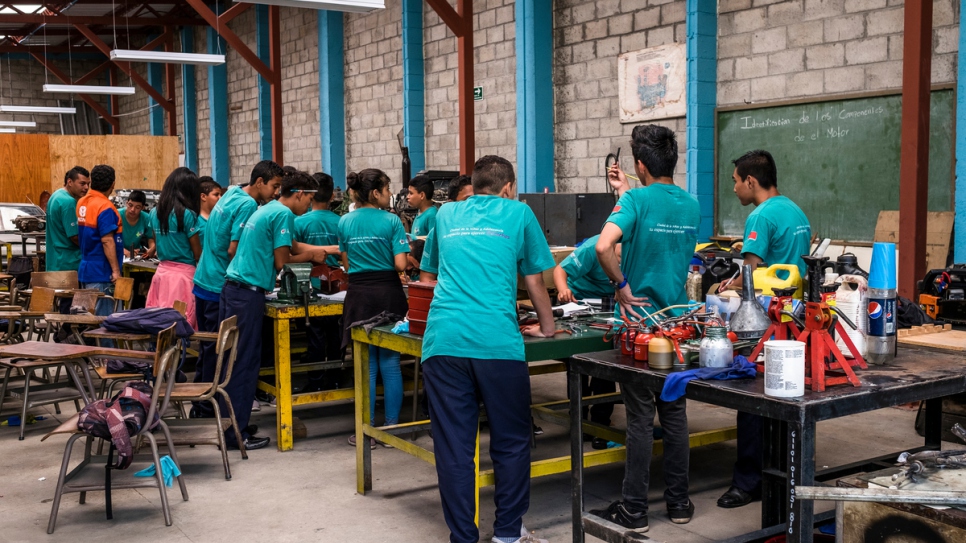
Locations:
column 296, row 286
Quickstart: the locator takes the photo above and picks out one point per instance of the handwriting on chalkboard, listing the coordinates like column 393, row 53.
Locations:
column 815, row 115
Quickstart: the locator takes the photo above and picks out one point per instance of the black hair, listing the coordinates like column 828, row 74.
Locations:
column 457, row 184
column 491, row 173
column 326, row 186
column 294, row 181
column 761, row 165
column 267, row 170
column 138, row 197
column 423, row 184
column 207, row 184
column 76, row 172
column 102, row 178
column 656, row 147
column 365, row 182
column 181, row 191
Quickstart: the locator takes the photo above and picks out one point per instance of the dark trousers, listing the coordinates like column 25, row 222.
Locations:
column 325, row 339
column 639, row 404
column 747, row 475
column 601, row 412
column 249, row 307
column 207, row 315
column 455, row 387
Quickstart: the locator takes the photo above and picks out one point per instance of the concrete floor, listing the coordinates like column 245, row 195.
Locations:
column 309, row 494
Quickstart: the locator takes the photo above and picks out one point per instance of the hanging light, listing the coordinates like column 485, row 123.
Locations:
column 38, row 109
column 20, row 124
column 89, row 89
column 7, row 131
column 356, row 6
column 166, row 57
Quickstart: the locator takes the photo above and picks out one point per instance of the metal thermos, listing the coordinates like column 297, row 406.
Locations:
column 750, row 321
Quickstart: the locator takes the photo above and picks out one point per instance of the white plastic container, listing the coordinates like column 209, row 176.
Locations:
column 784, row 368
column 852, row 300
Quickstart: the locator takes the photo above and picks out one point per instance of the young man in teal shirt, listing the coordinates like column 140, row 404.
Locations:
column 421, row 191
column 250, row 276
column 210, row 194
column 776, row 232
column 657, row 227
column 63, row 247
column 135, row 223
column 224, row 229
column 480, row 245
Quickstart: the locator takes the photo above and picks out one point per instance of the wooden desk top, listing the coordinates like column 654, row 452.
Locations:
column 46, row 350
column 103, row 333
column 60, row 318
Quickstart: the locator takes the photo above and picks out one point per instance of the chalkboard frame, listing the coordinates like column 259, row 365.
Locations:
column 818, row 100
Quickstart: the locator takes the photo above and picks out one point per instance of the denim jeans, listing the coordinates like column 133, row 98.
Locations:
column 385, row 362
column 639, row 404
column 104, row 306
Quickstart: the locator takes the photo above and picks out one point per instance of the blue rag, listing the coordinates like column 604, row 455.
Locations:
column 169, row 470
column 675, row 383
column 402, row 327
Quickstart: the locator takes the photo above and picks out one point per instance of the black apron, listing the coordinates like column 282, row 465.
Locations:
column 369, row 294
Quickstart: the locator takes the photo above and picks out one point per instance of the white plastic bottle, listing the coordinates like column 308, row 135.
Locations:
column 852, row 300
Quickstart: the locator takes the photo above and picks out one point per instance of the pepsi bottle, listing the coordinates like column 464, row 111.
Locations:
column 881, row 341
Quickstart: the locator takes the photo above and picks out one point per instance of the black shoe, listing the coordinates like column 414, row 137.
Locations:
column 253, row 443
column 681, row 513
column 250, row 430
column 598, row 443
column 736, row 497
column 196, row 413
column 618, row 514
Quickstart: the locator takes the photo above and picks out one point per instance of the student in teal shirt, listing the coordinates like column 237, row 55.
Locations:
column 210, row 194
column 420, row 196
column 473, row 348
column 266, row 244
column 657, row 227
column 63, row 249
column 136, row 224
column 374, row 247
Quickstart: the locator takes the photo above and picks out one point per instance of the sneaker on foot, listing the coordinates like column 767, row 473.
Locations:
column 525, row 537
column 352, row 441
column 256, row 406
column 681, row 513
column 618, row 514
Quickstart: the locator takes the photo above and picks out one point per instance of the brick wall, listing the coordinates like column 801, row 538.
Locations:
column 21, row 84
column 300, row 89
column 773, row 51
column 588, row 37
column 242, row 101
column 201, row 98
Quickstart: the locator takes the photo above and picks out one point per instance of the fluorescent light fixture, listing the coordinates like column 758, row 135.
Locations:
column 165, row 57
column 21, row 124
column 356, row 6
column 7, row 131
column 89, row 89
column 37, row 109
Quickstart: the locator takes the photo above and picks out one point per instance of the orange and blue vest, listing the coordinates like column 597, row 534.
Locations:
column 97, row 217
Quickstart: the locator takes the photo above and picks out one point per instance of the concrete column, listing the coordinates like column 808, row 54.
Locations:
column 414, row 102
column 332, row 95
column 702, row 30
column 189, row 108
column 218, row 112
column 156, row 113
column 959, row 250
column 534, row 49
column 262, row 43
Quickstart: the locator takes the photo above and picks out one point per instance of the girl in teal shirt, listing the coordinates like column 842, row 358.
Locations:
column 374, row 248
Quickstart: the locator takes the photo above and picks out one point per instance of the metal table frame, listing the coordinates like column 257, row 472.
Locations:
column 789, row 429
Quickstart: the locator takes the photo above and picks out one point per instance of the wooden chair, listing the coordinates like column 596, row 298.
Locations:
column 180, row 307
column 211, row 431
column 108, row 379
column 123, row 293
column 89, row 476
column 42, row 301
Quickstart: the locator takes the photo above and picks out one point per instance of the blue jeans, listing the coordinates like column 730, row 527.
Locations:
column 104, row 306
column 385, row 362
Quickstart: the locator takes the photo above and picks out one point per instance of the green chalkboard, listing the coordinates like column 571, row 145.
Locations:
column 838, row 160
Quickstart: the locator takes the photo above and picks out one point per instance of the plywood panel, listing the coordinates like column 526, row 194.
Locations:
column 69, row 151
column 141, row 162
column 24, row 167
column 950, row 340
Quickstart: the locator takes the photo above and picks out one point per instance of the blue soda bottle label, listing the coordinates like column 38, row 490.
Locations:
column 882, row 317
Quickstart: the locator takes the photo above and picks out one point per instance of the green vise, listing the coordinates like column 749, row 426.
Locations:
column 296, row 285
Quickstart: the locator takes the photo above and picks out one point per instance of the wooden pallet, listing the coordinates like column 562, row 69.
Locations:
column 924, row 329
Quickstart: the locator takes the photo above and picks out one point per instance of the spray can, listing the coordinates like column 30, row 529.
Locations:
column 881, row 339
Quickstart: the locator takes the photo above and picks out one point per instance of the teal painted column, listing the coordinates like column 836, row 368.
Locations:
column 218, row 112
column 414, row 101
column 264, row 88
column 189, row 109
column 702, row 30
column 332, row 95
column 156, row 113
column 534, row 48
column 959, row 249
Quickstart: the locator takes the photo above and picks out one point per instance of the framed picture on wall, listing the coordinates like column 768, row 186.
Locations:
column 652, row 83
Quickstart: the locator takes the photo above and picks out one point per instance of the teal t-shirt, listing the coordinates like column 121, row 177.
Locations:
column 223, row 227
column 585, row 277
column 424, row 222
column 174, row 245
column 319, row 227
column 269, row 228
column 660, row 228
column 202, row 223
column 371, row 237
column 477, row 249
column 778, row 232
column 134, row 232
column 62, row 253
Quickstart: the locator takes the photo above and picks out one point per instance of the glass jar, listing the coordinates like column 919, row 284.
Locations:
column 716, row 350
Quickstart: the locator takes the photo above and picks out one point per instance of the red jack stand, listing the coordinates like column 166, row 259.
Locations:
column 825, row 364
column 782, row 326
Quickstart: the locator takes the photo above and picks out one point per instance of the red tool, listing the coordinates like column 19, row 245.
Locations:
column 782, row 323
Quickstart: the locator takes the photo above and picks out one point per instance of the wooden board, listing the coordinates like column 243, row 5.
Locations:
column 140, row 162
column 951, row 340
column 24, row 167
column 939, row 231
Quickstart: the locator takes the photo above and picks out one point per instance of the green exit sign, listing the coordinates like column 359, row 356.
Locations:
column 477, row 93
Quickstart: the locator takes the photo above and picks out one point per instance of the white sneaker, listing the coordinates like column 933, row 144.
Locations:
column 525, row 537
column 256, row 406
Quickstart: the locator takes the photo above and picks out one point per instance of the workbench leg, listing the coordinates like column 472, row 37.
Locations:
column 576, row 454
column 360, row 359
column 774, row 451
column 801, row 472
column 934, row 423
column 283, row 384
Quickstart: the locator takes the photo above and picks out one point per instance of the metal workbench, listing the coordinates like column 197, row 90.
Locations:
column 789, row 428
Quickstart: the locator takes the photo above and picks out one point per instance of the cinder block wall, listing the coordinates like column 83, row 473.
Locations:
column 22, row 82
column 243, row 133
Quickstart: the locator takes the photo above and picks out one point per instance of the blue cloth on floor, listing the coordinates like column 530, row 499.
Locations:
column 675, row 384
column 169, row 470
